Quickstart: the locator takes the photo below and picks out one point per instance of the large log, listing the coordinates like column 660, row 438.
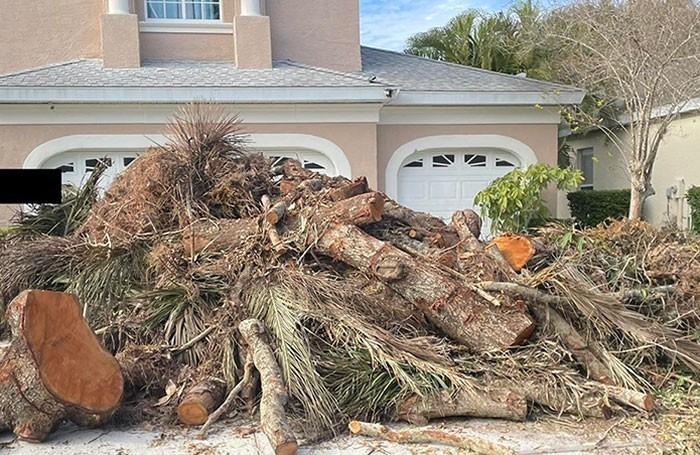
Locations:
column 456, row 309
column 54, row 368
column 274, row 392
column 497, row 404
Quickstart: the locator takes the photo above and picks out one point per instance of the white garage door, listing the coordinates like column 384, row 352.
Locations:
column 77, row 166
column 444, row 181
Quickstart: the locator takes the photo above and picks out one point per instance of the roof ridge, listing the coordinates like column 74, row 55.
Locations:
column 349, row 75
column 474, row 68
column 45, row 67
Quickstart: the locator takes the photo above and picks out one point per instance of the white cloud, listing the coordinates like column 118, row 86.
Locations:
column 387, row 24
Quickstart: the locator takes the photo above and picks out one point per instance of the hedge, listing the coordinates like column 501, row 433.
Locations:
column 693, row 197
column 590, row 208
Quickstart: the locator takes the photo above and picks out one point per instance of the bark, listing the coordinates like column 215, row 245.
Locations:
column 636, row 204
column 219, row 235
column 54, row 368
column 452, row 306
column 359, row 210
column 274, row 392
column 147, row 368
column 355, row 188
column 428, row 436
column 200, row 401
column 516, row 249
column 498, row 404
column 575, row 342
column 467, row 223
column 592, row 404
column 275, row 214
column 632, row 398
column 433, row 230
column 271, row 228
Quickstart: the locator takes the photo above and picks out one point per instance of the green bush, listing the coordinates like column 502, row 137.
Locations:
column 693, row 197
column 591, row 208
column 514, row 202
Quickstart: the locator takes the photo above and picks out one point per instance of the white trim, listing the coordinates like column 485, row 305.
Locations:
column 499, row 98
column 250, row 8
column 485, row 115
column 105, row 114
column 170, row 95
column 123, row 142
column 181, row 26
column 118, row 7
column 522, row 151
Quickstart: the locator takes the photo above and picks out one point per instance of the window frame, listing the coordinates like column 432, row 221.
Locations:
column 582, row 153
column 182, row 20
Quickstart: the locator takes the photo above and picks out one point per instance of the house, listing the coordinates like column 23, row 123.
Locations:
column 677, row 166
column 84, row 79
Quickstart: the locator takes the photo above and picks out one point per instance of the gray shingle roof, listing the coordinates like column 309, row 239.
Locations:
column 421, row 81
column 175, row 73
column 421, row 74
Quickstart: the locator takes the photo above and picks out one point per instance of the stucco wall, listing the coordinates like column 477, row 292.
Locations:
column 542, row 139
column 323, row 33
column 34, row 33
column 678, row 163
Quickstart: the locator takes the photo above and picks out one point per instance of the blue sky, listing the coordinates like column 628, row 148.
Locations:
column 387, row 23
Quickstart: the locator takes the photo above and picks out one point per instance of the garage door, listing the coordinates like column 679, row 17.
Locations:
column 76, row 166
column 444, row 181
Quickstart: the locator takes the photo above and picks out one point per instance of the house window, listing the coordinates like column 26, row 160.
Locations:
column 585, row 164
column 183, row 9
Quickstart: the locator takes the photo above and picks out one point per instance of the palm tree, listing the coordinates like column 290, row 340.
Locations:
column 500, row 41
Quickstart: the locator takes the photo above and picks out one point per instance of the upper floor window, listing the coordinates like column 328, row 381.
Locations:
column 585, row 164
column 183, row 9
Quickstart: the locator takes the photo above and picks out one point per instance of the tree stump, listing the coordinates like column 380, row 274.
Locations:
column 54, row 368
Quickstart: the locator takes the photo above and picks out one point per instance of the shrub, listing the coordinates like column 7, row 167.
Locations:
column 591, row 208
column 514, row 202
column 693, row 197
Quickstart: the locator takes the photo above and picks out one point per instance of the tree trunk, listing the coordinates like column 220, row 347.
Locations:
column 200, row 401
column 54, row 368
column 498, row 404
column 428, row 436
column 274, row 392
column 222, row 234
column 458, row 311
column 637, row 197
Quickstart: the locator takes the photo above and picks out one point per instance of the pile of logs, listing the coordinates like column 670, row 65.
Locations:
column 469, row 292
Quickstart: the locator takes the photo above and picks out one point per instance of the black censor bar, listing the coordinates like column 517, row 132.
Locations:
column 30, row 186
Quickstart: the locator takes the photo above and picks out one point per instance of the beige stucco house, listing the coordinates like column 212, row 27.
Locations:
column 83, row 79
column 676, row 170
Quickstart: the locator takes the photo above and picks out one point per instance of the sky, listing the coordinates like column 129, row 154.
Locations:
column 388, row 23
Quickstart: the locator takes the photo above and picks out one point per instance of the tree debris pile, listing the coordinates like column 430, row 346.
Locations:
column 216, row 278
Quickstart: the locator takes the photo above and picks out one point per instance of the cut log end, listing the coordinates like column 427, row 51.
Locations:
column 54, row 368
column 516, row 249
column 355, row 427
column 192, row 413
column 63, row 346
column 288, row 448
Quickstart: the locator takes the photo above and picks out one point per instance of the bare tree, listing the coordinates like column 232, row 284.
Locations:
column 643, row 55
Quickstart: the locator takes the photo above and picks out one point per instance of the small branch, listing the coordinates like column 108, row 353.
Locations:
column 193, row 341
column 248, row 369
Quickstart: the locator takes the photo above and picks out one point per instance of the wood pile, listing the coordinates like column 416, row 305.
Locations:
column 221, row 283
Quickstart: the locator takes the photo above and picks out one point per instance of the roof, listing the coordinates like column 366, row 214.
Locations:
column 387, row 77
column 414, row 73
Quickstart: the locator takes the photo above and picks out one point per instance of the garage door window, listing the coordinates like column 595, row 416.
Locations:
column 314, row 161
column 76, row 166
column 475, row 160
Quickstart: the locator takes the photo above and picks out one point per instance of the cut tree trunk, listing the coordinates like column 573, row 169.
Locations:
column 516, row 249
column 219, row 235
column 458, row 311
column 54, row 368
column 274, row 391
column 200, row 401
column 355, row 188
column 428, row 436
column 497, row 404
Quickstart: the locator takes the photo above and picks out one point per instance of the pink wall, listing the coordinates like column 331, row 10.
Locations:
column 323, row 33
column 35, row 33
